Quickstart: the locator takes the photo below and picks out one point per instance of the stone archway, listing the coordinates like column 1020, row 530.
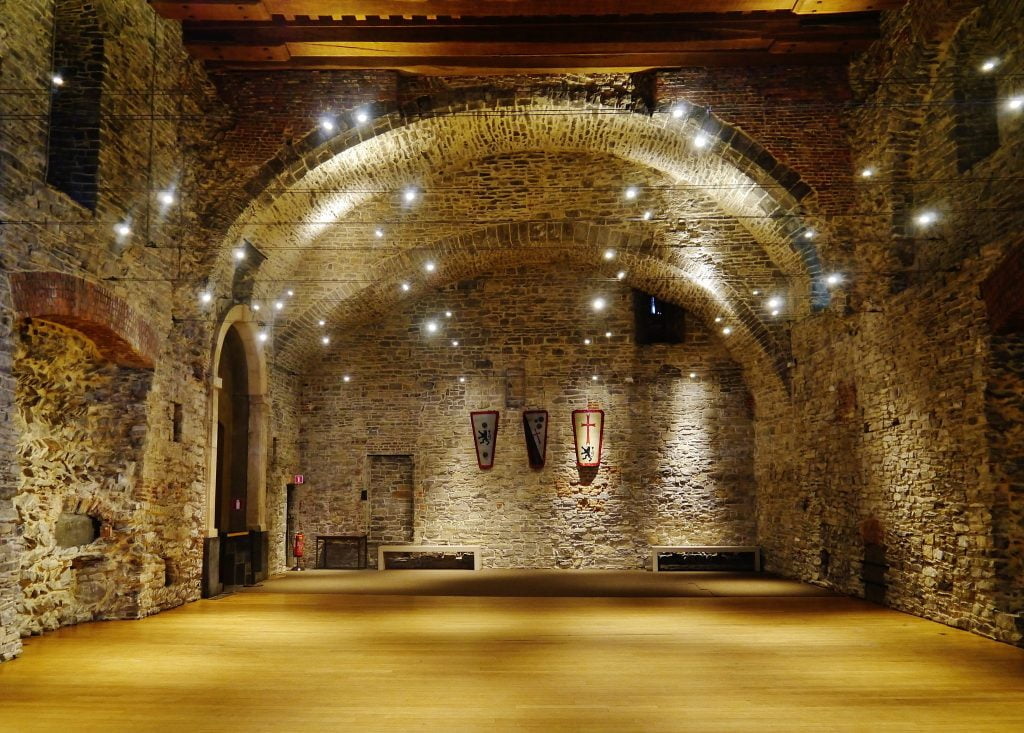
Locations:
column 235, row 547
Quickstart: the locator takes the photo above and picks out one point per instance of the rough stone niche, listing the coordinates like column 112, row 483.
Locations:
column 81, row 423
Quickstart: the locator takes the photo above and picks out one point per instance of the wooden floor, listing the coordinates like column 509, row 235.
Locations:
column 745, row 658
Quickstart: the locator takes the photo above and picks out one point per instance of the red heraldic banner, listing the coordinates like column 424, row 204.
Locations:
column 485, row 436
column 535, row 428
column 588, row 430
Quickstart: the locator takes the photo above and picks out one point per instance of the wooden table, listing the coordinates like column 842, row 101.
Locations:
column 323, row 540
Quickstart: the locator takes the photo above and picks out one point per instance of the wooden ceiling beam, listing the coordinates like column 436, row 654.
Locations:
column 428, row 9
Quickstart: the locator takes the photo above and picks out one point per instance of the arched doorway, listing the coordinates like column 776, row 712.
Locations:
column 236, row 545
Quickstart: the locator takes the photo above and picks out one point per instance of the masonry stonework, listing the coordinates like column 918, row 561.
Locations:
column 867, row 437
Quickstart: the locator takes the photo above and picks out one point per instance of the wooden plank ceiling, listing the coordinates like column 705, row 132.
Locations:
column 498, row 36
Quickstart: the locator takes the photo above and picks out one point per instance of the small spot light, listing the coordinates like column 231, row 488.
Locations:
column 632, row 192
column 325, row 340
column 406, row 287
column 455, row 342
column 327, row 124
column 586, row 342
column 263, row 336
column 362, row 117
column 410, row 195
column 431, row 327
column 774, row 302
column 718, row 319
column 775, row 312
column 809, row 234
column 462, row 380
column 1016, row 103
column 593, row 378
column 378, row 233
column 621, row 275
column 678, row 112
column 648, row 215
column 447, row 314
column 239, row 254
column 755, row 292
column 867, row 173
column 834, row 279
column 278, row 305
column 346, row 378
column 693, row 375
column 291, row 293
column 166, row 198
column 726, row 331
column 989, row 64
column 57, row 80
column 700, row 141
column 256, row 306
column 926, row 218
column 322, row 322
column 206, row 296
column 609, row 254
column 122, row 229
column 607, row 334
column 429, row 267
column 599, row 304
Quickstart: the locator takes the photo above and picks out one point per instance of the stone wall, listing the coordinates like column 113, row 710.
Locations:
column 891, row 457
column 10, row 544
column 81, row 425
column 677, row 464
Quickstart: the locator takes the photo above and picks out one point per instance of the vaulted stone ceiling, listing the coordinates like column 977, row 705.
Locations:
column 669, row 201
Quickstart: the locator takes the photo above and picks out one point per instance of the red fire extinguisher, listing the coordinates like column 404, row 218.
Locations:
column 298, row 546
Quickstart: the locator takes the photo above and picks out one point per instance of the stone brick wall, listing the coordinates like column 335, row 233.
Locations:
column 82, row 423
column 677, row 463
column 10, row 544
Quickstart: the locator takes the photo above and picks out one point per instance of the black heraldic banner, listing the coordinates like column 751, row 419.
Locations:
column 535, row 429
column 485, row 436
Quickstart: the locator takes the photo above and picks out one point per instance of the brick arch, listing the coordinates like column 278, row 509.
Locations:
column 776, row 207
column 752, row 345
column 118, row 330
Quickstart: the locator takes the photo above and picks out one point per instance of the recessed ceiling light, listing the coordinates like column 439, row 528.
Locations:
column 678, row 111
column 278, row 305
column 239, row 254
column 206, row 296
column 322, row 322
column 431, row 327
column 809, row 234
column 632, row 192
column 867, row 173
column 122, row 229
column 693, row 375
column 326, row 340
column 647, row 215
column 926, row 218
column 263, row 336
column 462, row 380
column 700, row 141
column 834, row 279
column 726, row 330
column 586, row 341
column 255, row 306
column 1016, row 103
column 447, row 314
column 346, row 378
column 429, row 267
column 410, row 195
column 593, row 378
column 718, row 319
column 775, row 312
column 774, row 302
column 362, row 117
column 327, row 124
column 599, row 304
column 379, row 233
column 166, row 198
column 57, row 80
column 291, row 293
column 609, row 254
column 455, row 342
column 755, row 292
column 607, row 334
column 405, row 287
column 621, row 275
column 989, row 64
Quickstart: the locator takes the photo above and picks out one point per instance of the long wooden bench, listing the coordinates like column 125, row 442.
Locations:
column 411, row 549
column 658, row 550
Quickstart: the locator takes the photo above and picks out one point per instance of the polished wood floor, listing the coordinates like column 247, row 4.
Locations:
column 735, row 654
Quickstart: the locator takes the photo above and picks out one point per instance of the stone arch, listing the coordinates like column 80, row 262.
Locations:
column 238, row 323
column 752, row 345
column 771, row 199
column 118, row 330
